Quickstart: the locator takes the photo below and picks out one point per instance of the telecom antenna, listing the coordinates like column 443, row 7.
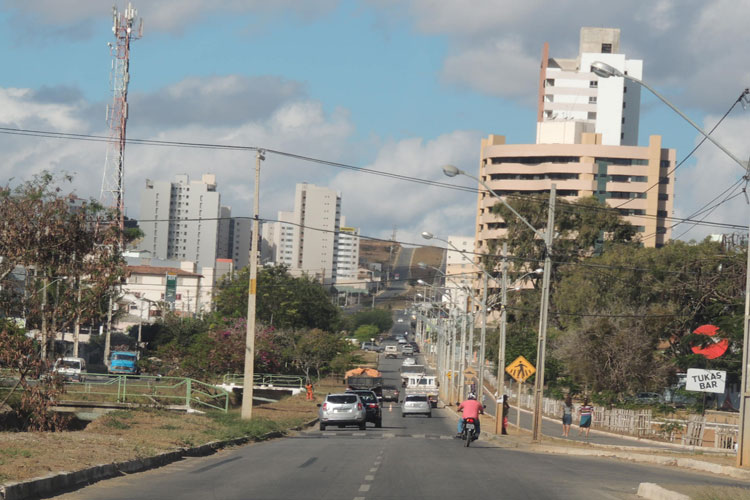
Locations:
column 112, row 194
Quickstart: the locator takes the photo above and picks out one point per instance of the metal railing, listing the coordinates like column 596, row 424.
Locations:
column 146, row 389
column 265, row 379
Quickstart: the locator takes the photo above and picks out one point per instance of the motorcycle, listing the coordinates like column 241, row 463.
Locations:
column 469, row 433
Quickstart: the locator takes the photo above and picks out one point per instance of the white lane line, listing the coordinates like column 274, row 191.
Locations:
column 369, row 478
column 358, row 434
column 389, row 434
column 419, row 435
column 446, row 437
column 359, row 498
column 377, row 463
column 364, row 487
column 373, row 469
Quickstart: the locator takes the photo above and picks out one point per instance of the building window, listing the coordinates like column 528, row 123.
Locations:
column 606, row 48
column 663, row 180
column 623, row 104
column 623, row 120
column 592, row 99
column 664, row 163
column 622, row 135
column 661, row 213
column 593, row 84
column 663, row 196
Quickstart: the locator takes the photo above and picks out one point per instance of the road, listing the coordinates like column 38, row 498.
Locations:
column 414, row 457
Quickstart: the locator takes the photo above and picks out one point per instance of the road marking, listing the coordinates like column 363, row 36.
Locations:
column 376, row 464
column 422, row 436
column 446, row 437
column 364, row 487
column 369, row 478
column 373, row 469
column 359, row 434
column 359, row 498
column 307, row 462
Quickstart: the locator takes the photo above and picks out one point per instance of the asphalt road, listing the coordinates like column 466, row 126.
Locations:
column 413, row 457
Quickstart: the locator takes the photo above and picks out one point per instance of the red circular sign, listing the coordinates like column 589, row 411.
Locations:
column 714, row 350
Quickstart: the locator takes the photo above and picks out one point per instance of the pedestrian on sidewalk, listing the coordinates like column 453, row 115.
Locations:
column 506, row 409
column 587, row 414
column 567, row 416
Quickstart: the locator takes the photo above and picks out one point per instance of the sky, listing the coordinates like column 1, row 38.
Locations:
column 401, row 87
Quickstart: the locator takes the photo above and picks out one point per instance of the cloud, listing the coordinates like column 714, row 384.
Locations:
column 692, row 49
column 218, row 100
column 706, row 184
column 73, row 18
column 290, row 123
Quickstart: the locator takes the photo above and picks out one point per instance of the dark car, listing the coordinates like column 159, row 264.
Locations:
column 372, row 406
column 390, row 393
column 415, row 346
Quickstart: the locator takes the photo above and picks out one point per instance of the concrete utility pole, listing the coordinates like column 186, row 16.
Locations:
column 482, row 335
column 247, row 384
column 542, row 340
column 501, row 344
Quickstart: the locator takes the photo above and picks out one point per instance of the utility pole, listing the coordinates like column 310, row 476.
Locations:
column 249, row 373
column 482, row 335
column 501, row 344
column 542, row 340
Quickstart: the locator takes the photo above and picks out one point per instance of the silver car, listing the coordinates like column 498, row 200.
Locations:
column 341, row 410
column 416, row 404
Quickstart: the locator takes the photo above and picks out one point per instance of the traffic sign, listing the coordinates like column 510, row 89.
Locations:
column 520, row 369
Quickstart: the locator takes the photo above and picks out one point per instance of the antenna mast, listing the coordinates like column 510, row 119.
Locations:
column 112, row 194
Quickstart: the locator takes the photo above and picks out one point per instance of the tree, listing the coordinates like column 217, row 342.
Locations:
column 364, row 333
column 382, row 319
column 70, row 256
column 283, row 301
column 315, row 349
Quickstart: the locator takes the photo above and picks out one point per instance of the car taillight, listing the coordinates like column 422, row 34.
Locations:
column 372, row 405
column 325, row 406
column 359, row 406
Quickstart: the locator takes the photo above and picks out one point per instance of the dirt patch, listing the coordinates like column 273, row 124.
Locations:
column 129, row 434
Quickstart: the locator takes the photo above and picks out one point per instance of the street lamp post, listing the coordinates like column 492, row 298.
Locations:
column 604, row 70
column 249, row 373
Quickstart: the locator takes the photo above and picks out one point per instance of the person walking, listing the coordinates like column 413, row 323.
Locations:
column 587, row 414
column 506, row 409
column 567, row 416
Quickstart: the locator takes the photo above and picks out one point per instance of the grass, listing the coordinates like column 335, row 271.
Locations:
column 719, row 493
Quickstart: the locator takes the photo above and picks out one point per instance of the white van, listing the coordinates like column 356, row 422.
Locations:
column 73, row 369
column 391, row 351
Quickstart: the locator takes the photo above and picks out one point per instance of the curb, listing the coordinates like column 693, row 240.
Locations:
column 68, row 481
column 653, row 491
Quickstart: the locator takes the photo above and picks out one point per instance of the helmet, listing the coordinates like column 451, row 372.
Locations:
column 471, row 396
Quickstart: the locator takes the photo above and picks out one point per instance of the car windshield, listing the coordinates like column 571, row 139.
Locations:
column 416, row 398
column 367, row 397
column 343, row 399
column 68, row 363
column 123, row 357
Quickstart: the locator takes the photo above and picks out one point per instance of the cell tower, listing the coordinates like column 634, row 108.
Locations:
column 112, row 194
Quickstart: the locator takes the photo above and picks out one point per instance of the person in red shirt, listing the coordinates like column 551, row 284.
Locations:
column 471, row 408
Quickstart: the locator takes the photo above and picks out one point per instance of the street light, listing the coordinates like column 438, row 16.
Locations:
column 604, row 70
column 452, row 171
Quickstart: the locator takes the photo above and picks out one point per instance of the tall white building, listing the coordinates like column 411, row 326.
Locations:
column 347, row 253
column 573, row 100
column 309, row 239
column 460, row 270
column 180, row 219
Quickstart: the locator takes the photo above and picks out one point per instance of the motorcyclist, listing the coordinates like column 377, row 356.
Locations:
column 471, row 408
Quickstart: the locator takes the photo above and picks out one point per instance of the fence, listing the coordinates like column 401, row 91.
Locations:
column 265, row 379
column 144, row 389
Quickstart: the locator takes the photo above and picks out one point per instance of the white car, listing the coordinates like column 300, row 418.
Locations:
column 408, row 362
column 400, row 320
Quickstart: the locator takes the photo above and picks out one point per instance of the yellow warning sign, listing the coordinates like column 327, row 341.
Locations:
column 520, row 369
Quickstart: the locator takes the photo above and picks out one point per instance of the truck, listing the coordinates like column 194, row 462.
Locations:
column 123, row 363
column 365, row 379
column 411, row 370
column 422, row 384
column 70, row 369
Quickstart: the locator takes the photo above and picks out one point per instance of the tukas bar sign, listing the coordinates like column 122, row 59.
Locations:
column 705, row 380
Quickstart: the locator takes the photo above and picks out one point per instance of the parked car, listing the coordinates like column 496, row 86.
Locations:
column 390, row 393
column 368, row 346
column 341, row 410
column 647, row 398
column 416, row 404
column 372, row 406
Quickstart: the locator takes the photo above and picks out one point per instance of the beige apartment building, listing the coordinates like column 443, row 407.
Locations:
column 636, row 180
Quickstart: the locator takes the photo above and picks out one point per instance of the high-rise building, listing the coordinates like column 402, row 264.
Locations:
column 310, row 239
column 573, row 100
column 180, row 219
column 459, row 270
column 587, row 134
column 347, row 253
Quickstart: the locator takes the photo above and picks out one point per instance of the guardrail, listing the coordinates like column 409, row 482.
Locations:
column 147, row 389
column 267, row 379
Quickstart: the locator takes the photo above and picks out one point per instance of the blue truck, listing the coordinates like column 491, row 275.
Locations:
column 123, row 363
